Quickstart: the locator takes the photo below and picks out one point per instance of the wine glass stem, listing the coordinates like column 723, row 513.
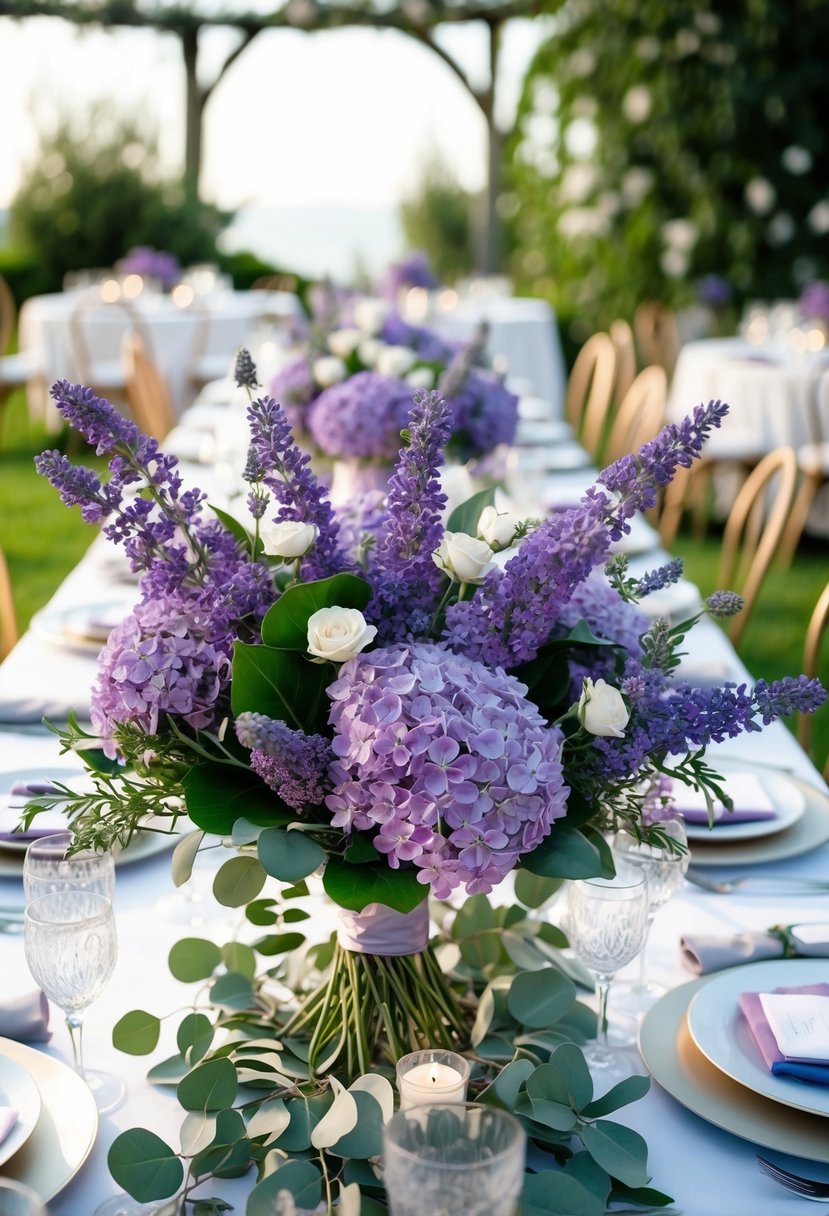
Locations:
column 602, row 1047
column 640, row 983
column 74, row 1023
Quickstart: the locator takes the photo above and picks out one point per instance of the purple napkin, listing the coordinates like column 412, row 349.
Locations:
column 11, row 809
column 8, row 1118
column 751, row 802
column 25, row 1018
column 761, row 1032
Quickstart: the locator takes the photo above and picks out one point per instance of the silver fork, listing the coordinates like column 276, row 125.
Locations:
column 808, row 1188
column 725, row 887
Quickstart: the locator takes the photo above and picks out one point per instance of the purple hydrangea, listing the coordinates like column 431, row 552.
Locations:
column 362, row 520
column 446, row 760
column 430, row 346
column 608, row 615
column 152, row 264
column 160, row 660
column 714, row 291
column 290, row 762
column 485, row 414
column 814, row 302
column 411, row 271
column 361, row 417
column 294, row 385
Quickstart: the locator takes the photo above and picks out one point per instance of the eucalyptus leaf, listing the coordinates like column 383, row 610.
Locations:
column 232, row 991
column 305, row 1114
column 169, row 1071
column 238, row 881
column 278, row 943
column 340, row 1118
column 365, row 1138
column 504, row 1089
column 210, row 1086
column 475, row 915
column 197, row 1132
column 617, row 1149
column 630, row 1090
column 144, row 1165
column 289, row 856
column 483, row 1016
column 380, row 1089
column 553, row 1193
column 184, row 855
column 136, row 1033
column 261, row 912
column 194, row 1036
column 238, row 957
column 539, row 998
column 551, row 1114
column 533, row 890
column 194, row 958
column 270, row 1120
column 300, row 1178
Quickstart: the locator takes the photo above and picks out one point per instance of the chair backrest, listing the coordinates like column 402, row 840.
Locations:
column 104, row 316
column 640, row 415
column 621, row 335
column 657, row 334
column 811, row 656
column 754, row 528
column 147, row 391
column 8, row 617
column 8, row 315
column 590, row 389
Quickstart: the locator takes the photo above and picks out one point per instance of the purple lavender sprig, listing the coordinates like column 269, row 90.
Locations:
column 275, row 459
column 407, row 582
column 293, row 764
column 515, row 611
column 658, row 579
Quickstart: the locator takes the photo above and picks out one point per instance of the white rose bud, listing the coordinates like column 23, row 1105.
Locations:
column 338, row 634
column 465, row 558
column 421, row 377
column 395, row 360
column 344, row 342
column 369, row 351
column 498, row 530
column 329, row 370
column 289, row 538
column 370, row 315
column 602, row 709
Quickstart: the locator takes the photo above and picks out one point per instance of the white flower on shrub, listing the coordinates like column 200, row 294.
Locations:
column 465, row 558
column 602, row 710
column 329, row 370
column 288, row 538
column 344, row 342
column 337, row 634
column 395, row 361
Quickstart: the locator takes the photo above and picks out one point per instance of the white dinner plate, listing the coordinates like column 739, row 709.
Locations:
column 84, row 627
column 640, row 540
column 721, row 1033
column 788, row 798
column 19, row 1091
column 67, row 1127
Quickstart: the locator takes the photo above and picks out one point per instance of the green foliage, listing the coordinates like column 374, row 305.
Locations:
column 657, row 143
column 437, row 218
column 95, row 190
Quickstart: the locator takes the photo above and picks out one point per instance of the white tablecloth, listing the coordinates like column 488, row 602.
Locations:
column 708, row 1171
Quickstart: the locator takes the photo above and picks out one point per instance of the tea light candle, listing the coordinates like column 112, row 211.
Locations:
column 427, row 1078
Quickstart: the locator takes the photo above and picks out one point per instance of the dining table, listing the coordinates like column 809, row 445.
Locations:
column 707, row 1168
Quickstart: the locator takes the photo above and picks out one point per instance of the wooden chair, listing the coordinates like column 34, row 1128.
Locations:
column 754, row 529
column 8, row 617
column 621, row 335
column 147, row 392
column 812, row 460
column 811, row 656
column 15, row 370
column 640, row 415
column 103, row 371
column 590, row 390
column 657, row 334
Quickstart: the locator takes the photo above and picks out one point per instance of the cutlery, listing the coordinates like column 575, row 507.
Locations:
column 808, row 1188
column 764, row 885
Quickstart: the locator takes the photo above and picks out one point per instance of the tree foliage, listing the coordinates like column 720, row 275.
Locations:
column 658, row 142
column 437, row 217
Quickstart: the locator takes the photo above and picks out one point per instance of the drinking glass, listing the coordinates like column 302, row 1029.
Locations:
column 606, row 923
column 71, row 949
column 664, row 873
column 19, row 1200
column 463, row 1160
column 49, row 867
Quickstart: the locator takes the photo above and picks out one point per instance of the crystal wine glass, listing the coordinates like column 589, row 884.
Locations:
column 606, row 925
column 50, row 867
column 664, row 873
column 71, row 948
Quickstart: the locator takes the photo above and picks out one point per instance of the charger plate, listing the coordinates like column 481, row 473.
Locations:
column 67, row 1127
column 682, row 1070
column 809, row 832
column 18, row 1090
column 148, row 844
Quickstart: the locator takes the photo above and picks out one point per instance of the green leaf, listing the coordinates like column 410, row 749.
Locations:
column 169, row 1071
column 289, row 856
column 361, row 849
column 551, row 1114
column 553, row 1193
column 194, row 1036
column 365, row 1139
column 194, row 958
column 552, row 935
column 475, row 915
column 238, row 881
column 278, row 943
column 565, row 853
column 629, row 1090
column 286, row 622
column 280, row 683
column 355, row 887
column 466, row 515
column 532, row 890
column 209, row 1086
column 260, row 912
column 144, row 1165
column 483, row 1017
column 136, row 1033
column 237, row 530
column 232, row 991
column 504, row 1089
column 301, row 1178
column 238, row 957
column 217, row 795
column 584, row 1169
column 576, row 1082
column 184, row 854
column 305, row 1115
column 540, row 998
column 292, row 916
column 619, row 1150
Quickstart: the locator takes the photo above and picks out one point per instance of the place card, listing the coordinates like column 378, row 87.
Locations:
column 800, row 1025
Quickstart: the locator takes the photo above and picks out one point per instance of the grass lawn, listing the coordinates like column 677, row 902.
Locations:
column 43, row 541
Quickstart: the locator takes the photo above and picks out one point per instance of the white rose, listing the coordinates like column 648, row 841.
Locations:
column 421, row 377
column 344, row 342
column 329, row 370
column 602, row 710
column 395, row 360
column 338, row 634
column 464, row 558
column 370, row 315
column 498, row 530
column 369, row 351
column 289, row 538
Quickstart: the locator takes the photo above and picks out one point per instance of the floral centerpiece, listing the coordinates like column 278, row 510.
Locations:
column 156, row 264
column 422, row 706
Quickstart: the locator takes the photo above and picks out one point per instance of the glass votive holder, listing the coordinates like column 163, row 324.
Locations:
column 451, row 1160
column 432, row 1077
column 19, row 1200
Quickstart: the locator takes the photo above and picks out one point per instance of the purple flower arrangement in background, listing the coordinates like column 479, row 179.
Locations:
column 814, row 302
column 151, row 263
column 714, row 291
column 411, row 271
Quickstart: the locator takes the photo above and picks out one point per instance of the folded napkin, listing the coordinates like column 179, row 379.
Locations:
column 25, row 1018
column 8, row 1118
column 12, row 806
column 763, row 1035
column 703, row 953
column 746, row 791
